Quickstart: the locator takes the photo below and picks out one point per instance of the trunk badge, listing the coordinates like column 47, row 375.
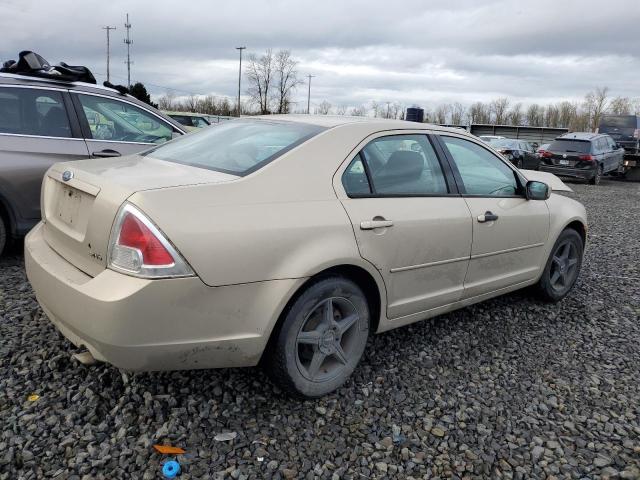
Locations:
column 67, row 175
column 564, row 155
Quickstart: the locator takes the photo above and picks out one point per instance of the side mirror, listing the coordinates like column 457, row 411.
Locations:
column 537, row 190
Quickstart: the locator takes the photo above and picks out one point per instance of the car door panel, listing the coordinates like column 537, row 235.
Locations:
column 417, row 234
column 508, row 249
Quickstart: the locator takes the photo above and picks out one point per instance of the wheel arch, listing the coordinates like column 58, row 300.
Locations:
column 370, row 283
column 579, row 227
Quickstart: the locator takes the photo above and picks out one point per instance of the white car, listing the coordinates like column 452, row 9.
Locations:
column 289, row 239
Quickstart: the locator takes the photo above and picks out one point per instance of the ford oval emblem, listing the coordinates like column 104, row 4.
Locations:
column 67, row 175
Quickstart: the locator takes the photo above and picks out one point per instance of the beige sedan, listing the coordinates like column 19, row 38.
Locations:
column 287, row 240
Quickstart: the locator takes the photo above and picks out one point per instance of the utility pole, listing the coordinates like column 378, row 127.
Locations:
column 388, row 115
column 128, row 41
column 108, row 29
column 309, row 95
column 239, row 76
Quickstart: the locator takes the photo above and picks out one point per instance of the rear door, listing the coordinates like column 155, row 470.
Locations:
column 509, row 231
column 38, row 128
column 408, row 219
column 114, row 126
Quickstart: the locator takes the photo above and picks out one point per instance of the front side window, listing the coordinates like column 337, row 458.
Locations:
column 29, row 111
column 238, row 147
column 482, row 173
column 404, row 165
column 110, row 119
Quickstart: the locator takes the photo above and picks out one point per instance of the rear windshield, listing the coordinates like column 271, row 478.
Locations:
column 238, row 147
column 504, row 143
column 570, row 146
column 621, row 121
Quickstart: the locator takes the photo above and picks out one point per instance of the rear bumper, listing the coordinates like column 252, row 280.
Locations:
column 144, row 325
column 568, row 172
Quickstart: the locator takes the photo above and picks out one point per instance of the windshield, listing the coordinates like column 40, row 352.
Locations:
column 504, row 143
column 570, row 146
column 238, row 147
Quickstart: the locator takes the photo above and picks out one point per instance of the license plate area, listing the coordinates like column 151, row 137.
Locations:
column 564, row 162
column 67, row 208
column 69, row 204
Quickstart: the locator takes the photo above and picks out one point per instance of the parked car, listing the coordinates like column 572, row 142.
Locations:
column 276, row 239
column 490, row 138
column 542, row 148
column 518, row 152
column 582, row 155
column 624, row 129
column 44, row 121
column 192, row 121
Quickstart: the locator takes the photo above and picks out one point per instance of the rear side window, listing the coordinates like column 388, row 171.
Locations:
column 403, row 165
column 355, row 179
column 238, row 147
column 570, row 146
column 29, row 111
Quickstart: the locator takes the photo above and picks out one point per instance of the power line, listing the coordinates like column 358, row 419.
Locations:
column 108, row 29
column 128, row 42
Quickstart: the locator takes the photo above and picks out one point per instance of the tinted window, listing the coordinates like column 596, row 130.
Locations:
column 404, row 165
column 182, row 120
column 29, row 111
column 199, row 122
column 570, row 146
column 621, row 121
column 355, row 179
column 481, row 171
column 237, row 147
column 110, row 119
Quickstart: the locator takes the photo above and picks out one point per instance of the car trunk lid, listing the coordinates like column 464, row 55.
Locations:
column 81, row 199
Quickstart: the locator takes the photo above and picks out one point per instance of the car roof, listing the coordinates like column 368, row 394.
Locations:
column 330, row 121
column 579, row 136
column 185, row 114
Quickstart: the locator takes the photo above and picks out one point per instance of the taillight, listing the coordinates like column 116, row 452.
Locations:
column 137, row 247
column 586, row 158
column 636, row 133
column 545, row 154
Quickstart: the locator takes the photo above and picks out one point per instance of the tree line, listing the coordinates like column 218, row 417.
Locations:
column 273, row 78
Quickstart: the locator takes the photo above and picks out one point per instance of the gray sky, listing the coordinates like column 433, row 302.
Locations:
column 413, row 52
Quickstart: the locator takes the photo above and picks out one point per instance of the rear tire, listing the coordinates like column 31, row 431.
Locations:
column 321, row 338
column 563, row 266
column 595, row 180
column 3, row 235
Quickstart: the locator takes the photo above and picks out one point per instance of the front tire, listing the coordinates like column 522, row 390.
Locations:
column 320, row 339
column 563, row 266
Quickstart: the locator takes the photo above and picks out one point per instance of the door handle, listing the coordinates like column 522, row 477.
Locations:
column 487, row 217
column 371, row 224
column 105, row 153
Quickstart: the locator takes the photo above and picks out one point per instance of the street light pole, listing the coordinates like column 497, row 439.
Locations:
column 309, row 95
column 239, row 76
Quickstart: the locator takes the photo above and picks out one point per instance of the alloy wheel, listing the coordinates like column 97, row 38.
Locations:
column 564, row 266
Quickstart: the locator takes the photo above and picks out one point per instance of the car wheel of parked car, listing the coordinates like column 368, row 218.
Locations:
column 321, row 338
column 3, row 235
column 563, row 266
column 595, row 180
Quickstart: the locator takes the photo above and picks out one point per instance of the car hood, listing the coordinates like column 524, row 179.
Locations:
column 549, row 178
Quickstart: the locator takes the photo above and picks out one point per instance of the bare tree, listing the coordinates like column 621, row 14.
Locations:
column 341, row 110
column 535, row 115
column 595, row 104
column 376, row 109
column 458, row 112
column 359, row 111
column 286, row 79
column 514, row 116
column 324, row 108
column 166, row 102
column 499, row 108
column 621, row 106
column 479, row 113
column 259, row 74
column 441, row 113
column 567, row 112
column 552, row 116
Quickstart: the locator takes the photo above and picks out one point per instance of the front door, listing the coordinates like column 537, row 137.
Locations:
column 509, row 231
column 409, row 222
column 116, row 127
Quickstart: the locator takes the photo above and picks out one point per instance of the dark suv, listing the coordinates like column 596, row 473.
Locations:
column 44, row 121
column 624, row 129
column 582, row 155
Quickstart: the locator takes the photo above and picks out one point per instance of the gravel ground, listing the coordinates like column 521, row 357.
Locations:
column 511, row 388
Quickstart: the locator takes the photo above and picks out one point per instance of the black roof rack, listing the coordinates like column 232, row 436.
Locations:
column 34, row 65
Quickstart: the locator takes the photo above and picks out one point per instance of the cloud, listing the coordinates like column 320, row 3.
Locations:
column 409, row 51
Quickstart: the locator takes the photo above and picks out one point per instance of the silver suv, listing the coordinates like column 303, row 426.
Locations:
column 45, row 121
